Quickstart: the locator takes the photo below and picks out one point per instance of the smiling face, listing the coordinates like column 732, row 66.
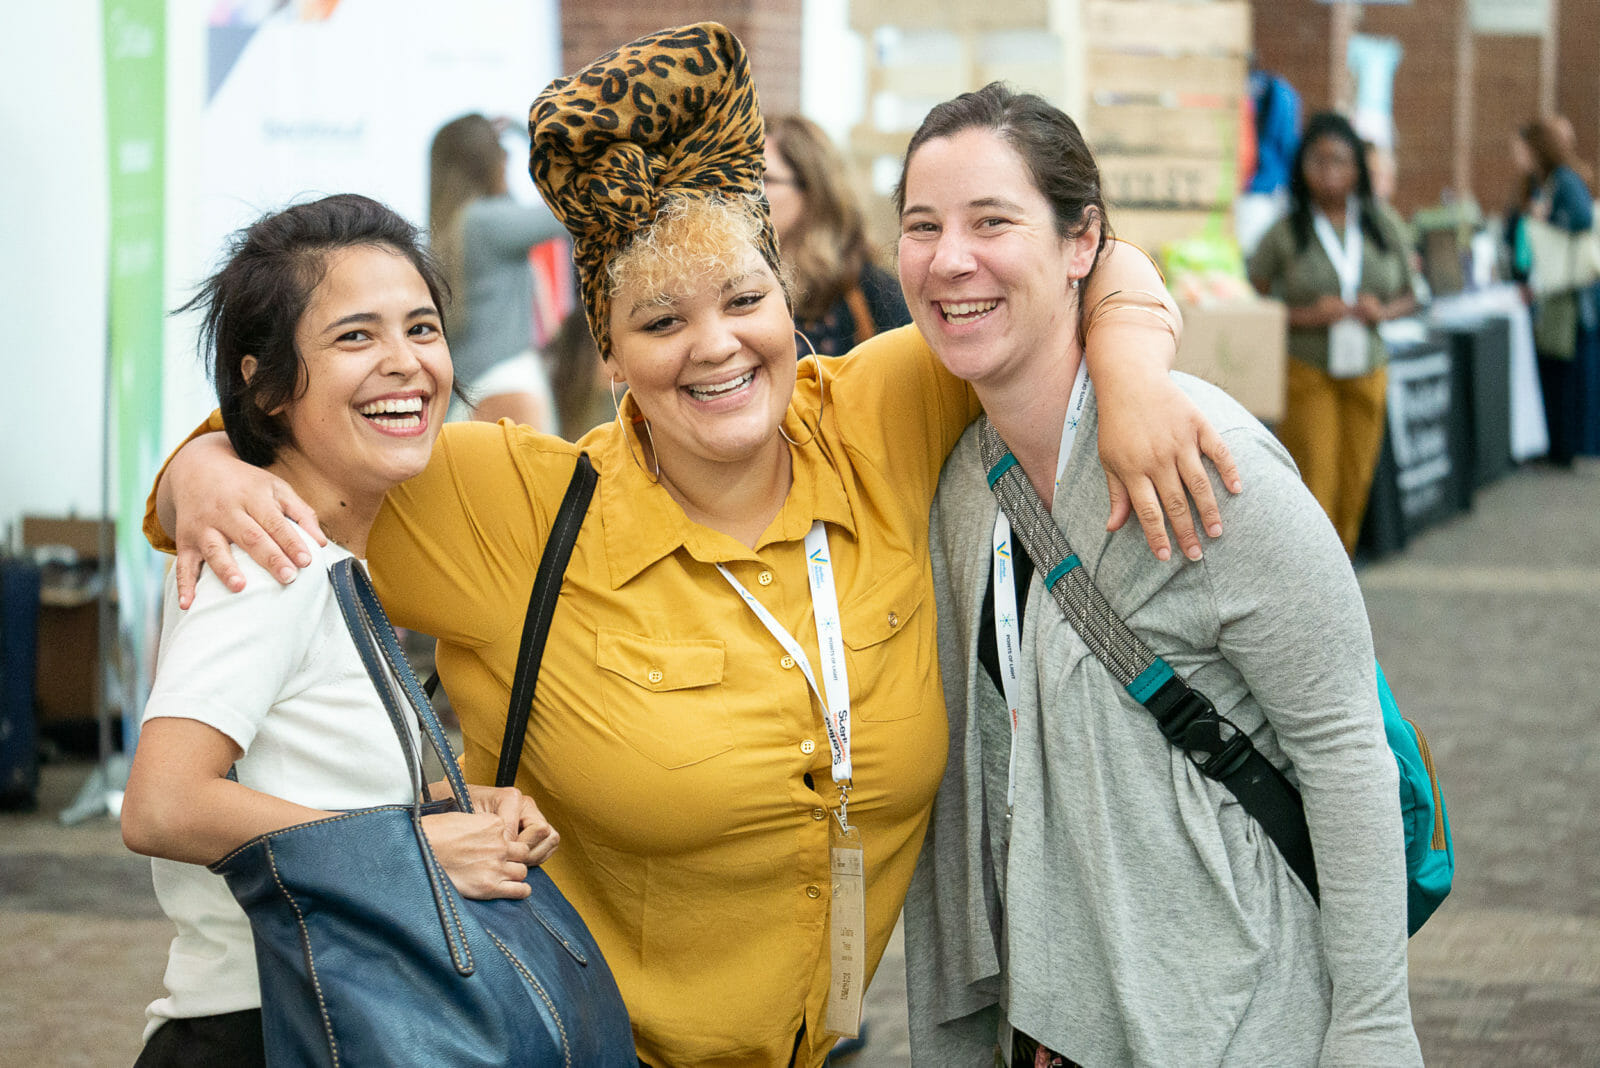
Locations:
column 985, row 272
column 376, row 379
column 709, row 359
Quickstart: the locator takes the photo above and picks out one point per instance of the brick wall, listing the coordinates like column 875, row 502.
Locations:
column 1578, row 74
column 1505, row 96
column 1293, row 37
column 770, row 30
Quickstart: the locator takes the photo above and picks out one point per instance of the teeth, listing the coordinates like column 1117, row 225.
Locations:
column 965, row 311
column 707, row 392
column 392, row 407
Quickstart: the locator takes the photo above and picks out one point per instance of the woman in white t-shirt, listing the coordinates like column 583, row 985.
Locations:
column 328, row 352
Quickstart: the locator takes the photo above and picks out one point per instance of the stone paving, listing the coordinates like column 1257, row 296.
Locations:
column 1489, row 630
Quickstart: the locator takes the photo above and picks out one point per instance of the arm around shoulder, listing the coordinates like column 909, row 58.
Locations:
column 454, row 548
column 1152, row 438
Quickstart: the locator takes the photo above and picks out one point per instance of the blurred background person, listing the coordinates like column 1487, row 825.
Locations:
column 1275, row 120
column 481, row 236
column 578, row 377
column 841, row 296
column 1563, row 129
column 1339, row 260
column 1566, row 325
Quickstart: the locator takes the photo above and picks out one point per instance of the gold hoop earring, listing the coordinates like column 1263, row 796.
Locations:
column 617, row 406
column 822, row 392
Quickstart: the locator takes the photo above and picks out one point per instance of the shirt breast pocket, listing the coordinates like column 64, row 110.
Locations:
column 889, row 631
column 664, row 697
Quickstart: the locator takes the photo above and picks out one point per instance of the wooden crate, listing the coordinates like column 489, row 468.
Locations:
column 1168, row 27
column 867, row 142
column 1130, row 129
column 1240, row 346
column 939, row 81
column 1146, row 181
column 1153, row 230
column 868, row 15
column 1049, row 80
column 1130, row 76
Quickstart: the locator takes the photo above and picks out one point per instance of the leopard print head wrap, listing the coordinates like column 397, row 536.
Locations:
column 672, row 114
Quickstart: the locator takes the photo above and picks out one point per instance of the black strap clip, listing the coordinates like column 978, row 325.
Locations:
column 1193, row 724
column 1188, row 710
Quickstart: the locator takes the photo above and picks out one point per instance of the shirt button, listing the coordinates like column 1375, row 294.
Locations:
column 655, row 675
column 818, row 813
column 813, row 892
column 765, row 578
column 808, row 747
column 894, row 620
column 787, row 662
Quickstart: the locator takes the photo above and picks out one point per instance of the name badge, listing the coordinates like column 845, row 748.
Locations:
column 847, row 930
column 1347, row 349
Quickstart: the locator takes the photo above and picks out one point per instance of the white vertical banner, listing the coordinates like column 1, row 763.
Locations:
column 343, row 96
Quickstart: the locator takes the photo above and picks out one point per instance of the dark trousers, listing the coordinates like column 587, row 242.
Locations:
column 1586, row 390
column 1563, row 411
column 227, row 1040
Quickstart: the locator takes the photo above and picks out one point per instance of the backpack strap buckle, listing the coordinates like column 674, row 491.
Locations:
column 1191, row 722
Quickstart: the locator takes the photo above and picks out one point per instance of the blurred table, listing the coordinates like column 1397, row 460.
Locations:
column 1424, row 469
column 1526, row 430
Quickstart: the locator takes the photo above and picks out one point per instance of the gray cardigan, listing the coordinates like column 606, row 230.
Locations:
column 1131, row 913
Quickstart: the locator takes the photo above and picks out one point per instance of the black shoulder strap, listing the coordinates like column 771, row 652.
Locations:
column 541, row 607
column 1185, row 717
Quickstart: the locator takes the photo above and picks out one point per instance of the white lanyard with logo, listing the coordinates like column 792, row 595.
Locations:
column 847, row 912
column 1347, row 338
column 1007, row 628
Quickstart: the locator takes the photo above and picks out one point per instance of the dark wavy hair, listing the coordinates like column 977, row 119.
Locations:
column 252, row 306
column 1052, row 147
column 829, row 246
column 1323, row 125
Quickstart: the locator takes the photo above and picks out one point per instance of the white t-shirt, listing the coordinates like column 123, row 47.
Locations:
column 275, row 669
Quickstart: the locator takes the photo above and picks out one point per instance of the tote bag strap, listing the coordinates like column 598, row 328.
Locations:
column 1185, row 717
column 378, row 647
column 541, row 608
column 365, row 618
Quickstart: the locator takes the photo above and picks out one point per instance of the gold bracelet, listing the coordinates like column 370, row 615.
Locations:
column 1100, row 309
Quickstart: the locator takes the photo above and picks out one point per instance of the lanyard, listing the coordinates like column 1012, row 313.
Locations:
column 834, row 692
column 1346, row 260
column 1007, row 631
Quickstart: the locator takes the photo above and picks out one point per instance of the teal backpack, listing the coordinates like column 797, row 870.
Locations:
column 1188, row 720
column 1430, row 853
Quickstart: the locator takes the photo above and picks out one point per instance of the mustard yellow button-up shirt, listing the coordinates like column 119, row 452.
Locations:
column 673, row 743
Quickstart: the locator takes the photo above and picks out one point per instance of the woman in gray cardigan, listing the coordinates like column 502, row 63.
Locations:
column 1085, row 894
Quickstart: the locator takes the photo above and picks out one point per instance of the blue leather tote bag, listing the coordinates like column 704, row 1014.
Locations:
column 367, row 954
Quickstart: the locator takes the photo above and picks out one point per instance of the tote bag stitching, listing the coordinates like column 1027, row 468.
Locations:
column 311, row 961
column 577, row 954
column 460, row 954
column 267, row 837
column 566, row 1051
column 444, row 898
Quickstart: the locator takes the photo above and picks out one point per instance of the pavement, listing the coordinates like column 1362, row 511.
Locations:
column 1489, row 630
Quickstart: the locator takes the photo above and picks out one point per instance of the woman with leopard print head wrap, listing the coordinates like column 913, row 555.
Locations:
column 745, row 639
